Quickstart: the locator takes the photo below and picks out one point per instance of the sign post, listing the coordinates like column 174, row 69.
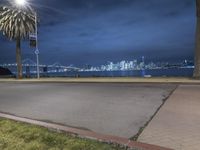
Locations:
column 34, row 43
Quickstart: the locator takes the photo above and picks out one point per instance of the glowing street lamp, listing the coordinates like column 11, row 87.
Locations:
column 20, row 2
column 23, row 3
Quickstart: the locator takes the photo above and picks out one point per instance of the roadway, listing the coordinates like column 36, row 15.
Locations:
column 110, row 108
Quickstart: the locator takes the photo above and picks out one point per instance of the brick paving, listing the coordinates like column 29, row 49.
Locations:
column 177, row 124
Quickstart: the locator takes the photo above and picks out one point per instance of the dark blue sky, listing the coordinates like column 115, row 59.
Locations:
column 96, row 31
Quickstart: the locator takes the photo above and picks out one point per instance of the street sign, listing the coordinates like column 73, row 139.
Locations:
column 33, row 40
column 37, row 52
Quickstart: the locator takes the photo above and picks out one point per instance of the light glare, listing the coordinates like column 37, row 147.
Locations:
column 20, row 2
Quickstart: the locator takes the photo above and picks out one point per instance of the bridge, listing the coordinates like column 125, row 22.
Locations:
column 29, row 66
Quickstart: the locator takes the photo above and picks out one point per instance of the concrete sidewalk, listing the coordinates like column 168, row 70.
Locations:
column 177, row 124
column 176, row 80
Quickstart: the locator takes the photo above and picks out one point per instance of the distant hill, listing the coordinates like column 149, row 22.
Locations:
column 5, row 71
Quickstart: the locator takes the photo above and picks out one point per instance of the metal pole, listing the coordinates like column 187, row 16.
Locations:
column 38, row 70
column 37, row 50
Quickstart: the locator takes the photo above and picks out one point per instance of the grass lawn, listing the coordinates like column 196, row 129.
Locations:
column 21, row 136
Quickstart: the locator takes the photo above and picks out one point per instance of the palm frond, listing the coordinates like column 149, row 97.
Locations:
column 17, row 23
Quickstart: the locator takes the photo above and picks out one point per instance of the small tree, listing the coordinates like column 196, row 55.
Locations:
column 16, row 24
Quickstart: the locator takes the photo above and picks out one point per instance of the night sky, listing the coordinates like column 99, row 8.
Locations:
column 93, row 32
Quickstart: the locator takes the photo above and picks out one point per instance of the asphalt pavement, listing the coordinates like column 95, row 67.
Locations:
column 110, row 108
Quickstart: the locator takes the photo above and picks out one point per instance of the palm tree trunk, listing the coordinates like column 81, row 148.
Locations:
column 18, row 58
column 197, row 50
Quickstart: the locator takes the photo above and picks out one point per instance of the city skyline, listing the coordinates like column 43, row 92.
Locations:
column 123, row 65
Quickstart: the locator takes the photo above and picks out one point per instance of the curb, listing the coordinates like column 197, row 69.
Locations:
column 106, row 80
column 87, row 134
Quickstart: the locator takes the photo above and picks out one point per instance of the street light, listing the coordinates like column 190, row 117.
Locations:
column 23, row 3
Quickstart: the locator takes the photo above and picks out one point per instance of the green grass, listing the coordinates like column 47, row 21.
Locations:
column 21, row 136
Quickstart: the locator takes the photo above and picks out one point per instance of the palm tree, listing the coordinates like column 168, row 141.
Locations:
column 16, row 24
column 197, row 51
